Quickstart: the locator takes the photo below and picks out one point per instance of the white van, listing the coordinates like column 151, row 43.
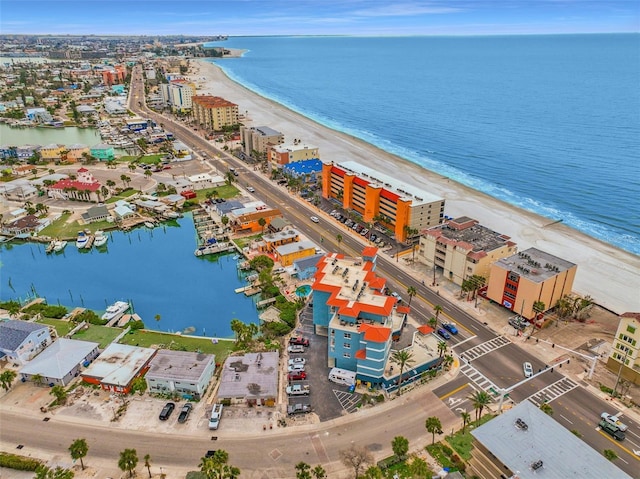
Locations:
column 216, row 415
column 342, row 376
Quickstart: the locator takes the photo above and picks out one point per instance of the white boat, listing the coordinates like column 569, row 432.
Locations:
column 100, row 239
column 59, row 245
column 50, row 246
column 115, row 312
column 81, row 240
column 212, row 248
column 149, row 224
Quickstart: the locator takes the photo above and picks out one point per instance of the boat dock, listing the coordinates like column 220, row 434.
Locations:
column 89, row 243
column 265, row 302
column 251, row 291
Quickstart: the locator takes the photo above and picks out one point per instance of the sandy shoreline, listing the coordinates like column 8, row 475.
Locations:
column 608, row 274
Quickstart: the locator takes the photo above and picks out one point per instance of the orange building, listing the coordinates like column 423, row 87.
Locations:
column 114, row 75
column 249, row 222
column 214, row 112
column 381, row 198
column 520, row 280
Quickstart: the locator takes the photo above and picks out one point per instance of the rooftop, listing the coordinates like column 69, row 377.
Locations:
column 208, row 101
column 535, row 265
column 59, row 358
column 542, row 440
column 265, row 131
column 179, row 365
column 13, row 332
column 252, row 375
column 297, row 246
column 465, row 232
column 118, row 364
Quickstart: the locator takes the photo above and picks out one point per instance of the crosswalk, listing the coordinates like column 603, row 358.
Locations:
column 479, row 379
column 484, row 348
column 553, row 391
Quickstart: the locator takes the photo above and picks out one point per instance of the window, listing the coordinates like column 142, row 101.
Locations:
column 627, row 339
column 346, row 345
column 347, row 335
column 346, row 355
column 631, row 329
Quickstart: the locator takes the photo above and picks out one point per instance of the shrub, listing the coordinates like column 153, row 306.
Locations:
column 136, row 324
column 387, row 462
column 19, row 463
column 609, row 454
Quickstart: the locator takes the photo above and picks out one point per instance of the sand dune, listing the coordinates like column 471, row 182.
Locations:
column 609, row 275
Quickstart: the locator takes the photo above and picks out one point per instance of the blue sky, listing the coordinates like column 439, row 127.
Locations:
column 318, row 17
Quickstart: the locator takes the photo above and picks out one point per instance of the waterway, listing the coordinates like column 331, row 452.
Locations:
column 155, row 270
column 45, row 136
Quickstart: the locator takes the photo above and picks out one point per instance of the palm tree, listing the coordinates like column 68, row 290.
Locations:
column 411, row 291
column 437, row 309
column 111, row 183
column 44, row 472
column 339, row 238
column 442, row 348
column 147, row 463
column 59, row 393
column 447, row 362
column 546, row 408
column 302, row 471
column 147, row 173
column 6, row 378
column 434, row 426
column 402, row 358
column 319, row 472
column 132, row 167
column 79, row 449
column 433, row 322
column 466, row 417
column 479, row 399
column 124, row 180
column 262, row 222
column 37, row 379
column 128, row 460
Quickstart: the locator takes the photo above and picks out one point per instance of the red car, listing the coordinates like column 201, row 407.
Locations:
column 297, row 376
column 299, row 340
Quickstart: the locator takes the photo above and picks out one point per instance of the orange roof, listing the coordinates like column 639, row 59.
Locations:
column 424, row 329
column 403, row 309
column 376, row 334
column 361, row 354
column 369, row 251
column 208, row 101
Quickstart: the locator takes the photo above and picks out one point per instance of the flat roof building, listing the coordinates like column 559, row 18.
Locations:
column 182, row 372
column 259, row 139
column 251, row 379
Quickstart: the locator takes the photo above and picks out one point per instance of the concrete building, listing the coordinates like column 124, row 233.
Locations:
column 259, row 139
column 181, row 372
column 293, row 152
column 178, row 94
column 213, row 112
column 84, row 188
column 625, row 354
column 250, row 379
column 286, row 254
column 306, row 268
column 380, row 198
column 60, row 362
column 462, row 248
column 246, row 221
column 20, row 341
column 103, row 152
column 117, row 366
column 526, row 443
column 518, row 281
column 270, row 241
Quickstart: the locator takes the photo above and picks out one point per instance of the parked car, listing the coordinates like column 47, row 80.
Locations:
column 210, row 453
column 299, row 340
column 527, row 369
column 298, row 390
column 184, row 412
column 451, row 327
column 443, row 333
column 518, row 323
column 216, row 416
column 297, row 376
column 295, row 367
column 297, row 361
column 167, row 410
column 613, row 419
column 296, row 348
column 373, row 237
column 612, row 430
column 364, row 231
column 298, row 409
column 397, row 296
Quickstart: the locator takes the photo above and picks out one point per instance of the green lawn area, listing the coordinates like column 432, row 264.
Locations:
column 242, row 242
column 98, row 334
column 151, row 159
column 224, row 191
column 461, row 443
column 62, row 327
column 62, row 229
column 147, row 338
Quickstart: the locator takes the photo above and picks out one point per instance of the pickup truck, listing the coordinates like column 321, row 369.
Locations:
column 298, row 390
column 216, row 415
column 298, row 409
column 611, row 419
column 610, row 429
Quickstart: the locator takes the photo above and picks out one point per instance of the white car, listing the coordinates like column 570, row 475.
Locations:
column 612, row 419
column 296, row 348
column 250, row 189
column 297, row 361
column 295, row 368
column 315, row 219
column 527, row 369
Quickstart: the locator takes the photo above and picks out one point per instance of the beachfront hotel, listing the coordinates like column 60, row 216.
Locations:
column 364, row 325
column 292, row 153
column 259, row 139
column 520, row 280
column 214, row 112
column 625, row 354
column 178, row 94
column 380, row 198
column 462, row 248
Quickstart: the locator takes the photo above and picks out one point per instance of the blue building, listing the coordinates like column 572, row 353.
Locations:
column 306, row 268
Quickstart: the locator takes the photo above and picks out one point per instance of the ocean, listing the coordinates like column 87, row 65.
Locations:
column 548, row 123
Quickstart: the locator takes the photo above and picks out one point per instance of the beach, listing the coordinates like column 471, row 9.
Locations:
column 609, row 275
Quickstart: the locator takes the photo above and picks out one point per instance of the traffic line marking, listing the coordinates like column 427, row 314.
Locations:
column 451, row 393
column 606, row 436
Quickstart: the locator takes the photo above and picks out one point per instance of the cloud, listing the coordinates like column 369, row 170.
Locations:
column 405, row 10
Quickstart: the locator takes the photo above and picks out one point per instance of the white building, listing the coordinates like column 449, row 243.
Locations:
column 180, row 371
column 20, row 341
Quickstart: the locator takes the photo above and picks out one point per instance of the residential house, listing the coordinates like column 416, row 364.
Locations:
column 102, row 152
column 242, row 221
column 21, row 341
column 306, row 268
column 286, row 254
column 23, row 227
column 526, row 443
column 60, row 362
column 270, row 241
column 180, row 372
column 18, row 190
column 51, row 152
column 624, row 359
column 96, row 213
column 250, row 379
column 377, row 197
column 530, row 277
column 75, row 153
column 118, row 366
column 24, row 152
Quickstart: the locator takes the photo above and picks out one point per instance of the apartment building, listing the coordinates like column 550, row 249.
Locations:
column 462, row 248
column 380, row 198
column 214, row 112
column 293, row 152
column 520, row 280
column 178, row 94
column 259, row 139
column 625, row 357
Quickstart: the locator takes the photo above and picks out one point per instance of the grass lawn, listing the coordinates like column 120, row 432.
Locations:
column 461, row 443
column 242, row 242
column 224, row 191
column 62, row 229
column 98, row 334
column 62, row 327
column 147, row 338
column 151, row 159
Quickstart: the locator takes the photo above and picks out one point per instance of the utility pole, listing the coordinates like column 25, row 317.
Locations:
column 613, row 393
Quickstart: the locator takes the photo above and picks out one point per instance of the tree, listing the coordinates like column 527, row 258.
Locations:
column 132, row 167
column 479, row 399
column 400, row 446
column 302, row 471
column 466, row 417
column 6, row 378
column 128, row 461
column 402, row 358
column 319, row 472
column 356, row 457
column 147, row 173
column 447, row 361
column 124, row 180
column 339, row 238
column 433, row 322
column 373, row 472
column 79, row 449
column 216, row 467
column 111, row 183
column 147, row 463
column 437, row 309
column 546, row 408
column 262, row 222
column 442, row 348
column 411, row 292
column 37, row 379
column 434, row 426
column 229, row 178
column 419, row 468
column 44, row 472
column 59, row 393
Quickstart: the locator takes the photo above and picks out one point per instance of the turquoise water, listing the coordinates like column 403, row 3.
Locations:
column 549, row 123
column 155, row 269
column 303, row 291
